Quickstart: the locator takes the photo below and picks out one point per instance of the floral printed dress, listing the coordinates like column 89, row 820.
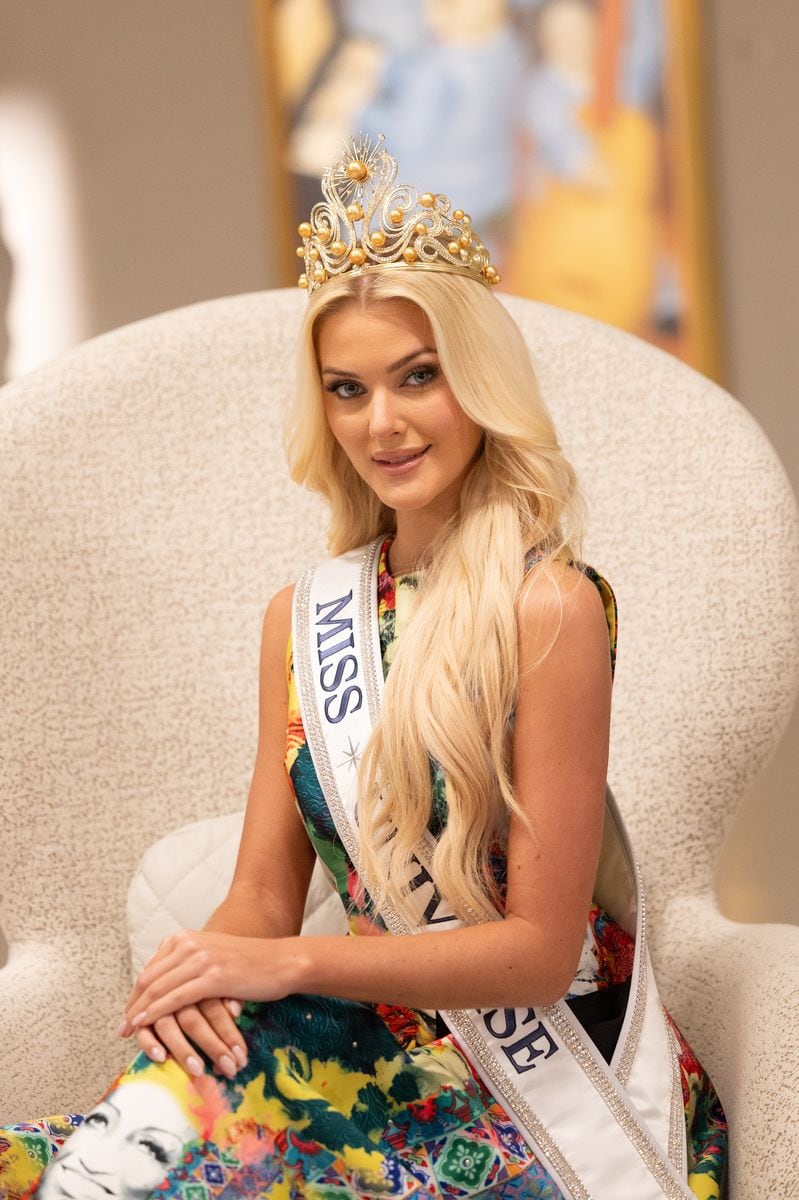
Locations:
column 339, row 1099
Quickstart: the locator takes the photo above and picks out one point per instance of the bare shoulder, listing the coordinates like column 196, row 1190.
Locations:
column 561, row 605
column 277, row 618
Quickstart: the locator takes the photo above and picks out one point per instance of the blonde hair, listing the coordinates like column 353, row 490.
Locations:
column 451, row 692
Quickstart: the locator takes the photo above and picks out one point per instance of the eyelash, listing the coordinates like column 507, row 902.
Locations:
column 157, row 1151
column 430, row 370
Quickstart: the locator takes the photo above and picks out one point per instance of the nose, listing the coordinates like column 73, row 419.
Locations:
column 99, row 1159
column 385, row 415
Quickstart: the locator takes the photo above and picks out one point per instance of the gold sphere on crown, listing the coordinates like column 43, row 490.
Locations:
column 357, row 170
column 300, row 252
column 302, row 281
column 399, row 225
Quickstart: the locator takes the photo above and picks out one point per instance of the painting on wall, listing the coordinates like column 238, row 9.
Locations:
column 572, row 131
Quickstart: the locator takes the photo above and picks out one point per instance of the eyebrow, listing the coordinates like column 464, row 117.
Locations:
column 401, row 362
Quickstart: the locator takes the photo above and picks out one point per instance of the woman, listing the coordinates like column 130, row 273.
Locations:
column 518, row 1047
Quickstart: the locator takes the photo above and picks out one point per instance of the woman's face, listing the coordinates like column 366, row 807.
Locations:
column 124, row 1148
column 390, row 408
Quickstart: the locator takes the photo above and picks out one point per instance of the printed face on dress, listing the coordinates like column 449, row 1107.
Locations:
column 124, row 1148
column 390, row 408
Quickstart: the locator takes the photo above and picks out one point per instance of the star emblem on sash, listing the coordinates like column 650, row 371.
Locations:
column 352, row 755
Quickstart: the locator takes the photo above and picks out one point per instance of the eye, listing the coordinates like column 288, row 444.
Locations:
column 420, row 376
column 97, row 1119
column 345, row 389
column 154, row 1149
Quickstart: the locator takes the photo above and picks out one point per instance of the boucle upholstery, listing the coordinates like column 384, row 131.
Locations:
column 146, row 518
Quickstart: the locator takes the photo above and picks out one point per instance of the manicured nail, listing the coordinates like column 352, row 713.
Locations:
column 240, row 1055
column 228, row 1066
column 121, row 1030
column 193, row 1065
column 158, row 1054
column 141, row 1019
column 234, row 1008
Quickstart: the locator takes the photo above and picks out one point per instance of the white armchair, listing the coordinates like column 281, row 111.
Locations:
column 146, row 518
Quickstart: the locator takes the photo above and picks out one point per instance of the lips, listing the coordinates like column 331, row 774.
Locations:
column 398, row 458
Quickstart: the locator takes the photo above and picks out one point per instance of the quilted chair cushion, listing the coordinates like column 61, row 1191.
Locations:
column 184, row 876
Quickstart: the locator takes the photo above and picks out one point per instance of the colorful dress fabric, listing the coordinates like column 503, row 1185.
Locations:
column 339, row 1099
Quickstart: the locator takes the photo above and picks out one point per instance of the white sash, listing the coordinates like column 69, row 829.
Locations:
column 601, row 1130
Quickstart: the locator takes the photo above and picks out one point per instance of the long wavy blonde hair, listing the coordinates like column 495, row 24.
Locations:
column 451, row 692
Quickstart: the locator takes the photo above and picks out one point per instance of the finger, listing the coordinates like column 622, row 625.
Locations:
column 218, row 1017
column 173, row 949
column 150, row 969
column 180, row 1048
column 192, row 978
column 158, row 965
column 149, row 1043
column 176, row 990
column 202, row 1033
column 233, row 1007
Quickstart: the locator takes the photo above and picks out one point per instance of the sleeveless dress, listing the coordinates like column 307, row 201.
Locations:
column 340, row 1099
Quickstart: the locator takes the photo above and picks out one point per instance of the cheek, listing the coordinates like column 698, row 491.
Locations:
column 340, row 427
column 464, row 433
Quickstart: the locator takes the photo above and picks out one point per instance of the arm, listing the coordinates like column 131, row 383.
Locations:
column 529, row 957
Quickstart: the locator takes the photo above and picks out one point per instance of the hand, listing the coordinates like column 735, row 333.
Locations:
column 194, row 965
column 212, row 1030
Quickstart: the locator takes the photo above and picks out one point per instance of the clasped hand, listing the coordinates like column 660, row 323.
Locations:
column 179, row 996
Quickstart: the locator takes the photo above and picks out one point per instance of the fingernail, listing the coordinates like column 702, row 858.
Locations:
column 227, row 1064
column 234, row 1008
column 240, row 1055
column 158, row 1054
column 139, row 1020
column 193, row 1065
column 121, row 1030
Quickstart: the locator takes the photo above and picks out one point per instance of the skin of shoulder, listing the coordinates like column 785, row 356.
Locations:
column 275, row 858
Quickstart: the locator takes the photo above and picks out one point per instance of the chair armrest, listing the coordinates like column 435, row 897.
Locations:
column 734, row 991
column 60, row 1003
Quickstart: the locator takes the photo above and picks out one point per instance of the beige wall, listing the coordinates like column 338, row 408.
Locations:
column 161, row 103
column 753, row 91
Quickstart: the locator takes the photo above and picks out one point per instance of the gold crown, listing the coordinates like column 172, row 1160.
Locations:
column 367, row 221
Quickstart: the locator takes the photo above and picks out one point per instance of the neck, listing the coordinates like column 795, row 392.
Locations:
column 410, row 549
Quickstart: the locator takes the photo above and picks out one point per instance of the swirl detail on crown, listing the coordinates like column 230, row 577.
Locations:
column 368, row 221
